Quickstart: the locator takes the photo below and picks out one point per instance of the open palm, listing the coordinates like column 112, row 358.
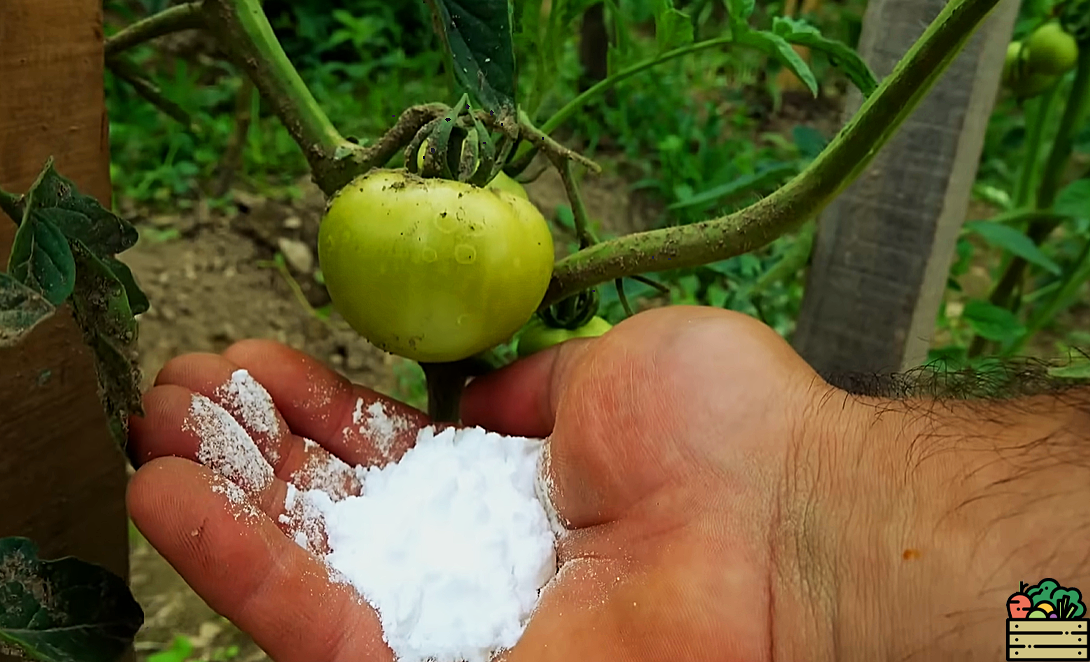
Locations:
column 667, row 453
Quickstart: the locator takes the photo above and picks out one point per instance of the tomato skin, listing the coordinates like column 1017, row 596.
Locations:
column 538, row 336
column 430, row 269
column 1051, row 51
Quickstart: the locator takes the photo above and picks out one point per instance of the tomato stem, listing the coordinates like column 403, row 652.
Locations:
column 445, row 383
column 842, row 161
column 174, row 19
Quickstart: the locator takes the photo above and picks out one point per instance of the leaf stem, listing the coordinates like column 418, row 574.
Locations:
column 579, row 208
column 804, row 196
column 174, row 19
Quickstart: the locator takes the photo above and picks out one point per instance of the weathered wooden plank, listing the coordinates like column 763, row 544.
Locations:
column 62, row 479
column 884, row 248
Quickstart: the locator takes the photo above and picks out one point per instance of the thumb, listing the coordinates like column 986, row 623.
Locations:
column 521, row 399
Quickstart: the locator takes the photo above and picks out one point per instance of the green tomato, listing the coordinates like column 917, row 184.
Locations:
column 538, row 336
column 431, row 269
column 1051, row 51
column 1012, row 68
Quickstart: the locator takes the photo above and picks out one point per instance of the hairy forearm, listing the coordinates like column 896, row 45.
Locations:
column 942, row 508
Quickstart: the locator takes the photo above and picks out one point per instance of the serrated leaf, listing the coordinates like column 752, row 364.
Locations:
column 840, row 55
column 1074, row 199
column 79, row 216
column 1010, row 239
column 63, row 610
column 477, row 35
column 21, row 309
column 673, row 28
column 992, row 322
column 776, row 46
column 101, row 307
column 41, row 259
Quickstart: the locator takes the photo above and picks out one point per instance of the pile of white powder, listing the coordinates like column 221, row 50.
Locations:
column 450, row 545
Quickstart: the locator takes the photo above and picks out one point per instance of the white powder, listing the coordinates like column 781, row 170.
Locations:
column 321, row 470
column 226, row 447
column 450, row 545
column 252, row 404
column 379, row 426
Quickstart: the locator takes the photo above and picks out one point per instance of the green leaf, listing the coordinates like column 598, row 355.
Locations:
column 41, row 259
column 79, row 216
column 776, row 46
column 1074, row 199
column 809, row 141
column 179, row 651
column 673, row 28
column 840, row 55
column 12, row 205
column 102, row 310
column 21, row 309
column 64, row 610
column 731, row 190
column 138, row 301
column 477, row 35
column 1012, row 240
column 992, row 322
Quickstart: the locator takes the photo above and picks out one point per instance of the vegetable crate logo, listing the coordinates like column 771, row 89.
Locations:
column 1045, row 622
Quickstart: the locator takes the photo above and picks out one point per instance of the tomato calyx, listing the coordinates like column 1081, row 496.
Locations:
column 573, row 312
column 457, row 146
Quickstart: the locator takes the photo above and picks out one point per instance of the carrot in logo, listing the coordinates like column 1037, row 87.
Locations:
column 1045, row 622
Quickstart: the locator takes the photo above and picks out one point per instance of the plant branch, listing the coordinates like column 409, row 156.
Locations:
column 174, row 19
column 125, row 70
column 801, row 198
column 1042, row 107
column 244, row 32
column 445, row 382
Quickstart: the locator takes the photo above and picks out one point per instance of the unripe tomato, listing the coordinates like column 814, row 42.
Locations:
column 538, row 336
column 1051, row 51
column 431, row 269
column 1012, row 68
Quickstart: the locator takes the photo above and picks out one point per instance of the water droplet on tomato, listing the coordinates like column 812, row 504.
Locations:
column 429, row 254
column 465, row 254
column 463, row 318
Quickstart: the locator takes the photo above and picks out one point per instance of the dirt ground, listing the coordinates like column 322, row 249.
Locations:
column 211, row 280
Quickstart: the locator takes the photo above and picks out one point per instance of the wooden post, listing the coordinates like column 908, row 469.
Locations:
column 884, row 248
column 62, row 478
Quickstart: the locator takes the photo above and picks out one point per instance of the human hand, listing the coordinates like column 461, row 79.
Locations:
column 659, row 483
column 724, row 503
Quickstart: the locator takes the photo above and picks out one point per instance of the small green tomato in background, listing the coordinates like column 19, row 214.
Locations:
column 431, row 269
column 538, row 336
column 1051, row 51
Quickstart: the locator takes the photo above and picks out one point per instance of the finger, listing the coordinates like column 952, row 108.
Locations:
column 180, row 423
column 294, row 459
column 237, row 560
column 521, row 399
column 354, row 423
